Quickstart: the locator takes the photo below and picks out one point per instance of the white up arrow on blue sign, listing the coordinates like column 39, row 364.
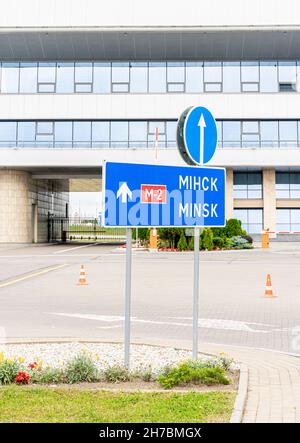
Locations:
column 155, row 195
column 197, row 135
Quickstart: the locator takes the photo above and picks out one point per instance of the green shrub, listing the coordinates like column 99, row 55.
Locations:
column 48, row 376
column 188, row 373
column 191, row 243
column 233, row 227
column 170, row 235
column 144, row 374
column 248, row 238
column 218, row 232
column 143, row 234
column 238, row 240
column 182, row 243
column 116, row 374
column 225, row 361
column 218, row 242
column 9, row 369
column 81, row 368
column 206, row 239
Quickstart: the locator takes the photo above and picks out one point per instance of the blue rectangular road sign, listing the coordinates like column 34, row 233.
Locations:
column 137, row 195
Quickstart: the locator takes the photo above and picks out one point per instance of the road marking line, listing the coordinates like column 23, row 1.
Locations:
column 220, row 324
column 109, row 327
column 35, row 274
column 72, row 249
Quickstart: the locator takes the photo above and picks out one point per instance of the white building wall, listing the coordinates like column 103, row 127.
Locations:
column 141, row 13
column 147, row 106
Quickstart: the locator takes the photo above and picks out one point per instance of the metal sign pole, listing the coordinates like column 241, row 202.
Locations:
column 196, row 294
column 127, row 297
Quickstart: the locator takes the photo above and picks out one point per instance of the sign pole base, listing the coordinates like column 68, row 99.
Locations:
column 127, row 297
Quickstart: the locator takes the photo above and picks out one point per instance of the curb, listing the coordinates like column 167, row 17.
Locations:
column 240, row 401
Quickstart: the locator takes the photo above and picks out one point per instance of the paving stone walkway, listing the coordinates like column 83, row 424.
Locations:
column 273, row 384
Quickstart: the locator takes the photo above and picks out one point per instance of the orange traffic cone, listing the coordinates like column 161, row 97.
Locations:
column 269, row 289
column 82, row 280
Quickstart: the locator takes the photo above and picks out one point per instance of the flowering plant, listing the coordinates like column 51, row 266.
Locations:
column 22, row 378
column 33, row 365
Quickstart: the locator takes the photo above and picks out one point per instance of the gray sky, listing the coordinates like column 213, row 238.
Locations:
column 87, row 204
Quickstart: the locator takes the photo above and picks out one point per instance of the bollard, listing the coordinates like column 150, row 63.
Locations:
column 153, row 239
column 265, row 239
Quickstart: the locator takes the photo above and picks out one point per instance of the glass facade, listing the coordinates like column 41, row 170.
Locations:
column 252, row 219
column 137, row 133
column 288, row 220
column 247, row 185
column 259, row 133
column 88, row 134
column 287, row 185
column 149, row 77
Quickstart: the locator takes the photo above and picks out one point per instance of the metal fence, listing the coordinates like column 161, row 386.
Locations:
column 66, row 229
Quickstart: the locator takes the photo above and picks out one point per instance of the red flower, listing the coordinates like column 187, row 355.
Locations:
column 33, row 365
column 22, row 378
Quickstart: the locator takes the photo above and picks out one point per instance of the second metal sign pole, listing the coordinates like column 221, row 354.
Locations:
column 196, row 294
column 127, row 297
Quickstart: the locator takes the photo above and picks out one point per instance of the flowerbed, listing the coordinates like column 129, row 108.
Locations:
column 83, row 368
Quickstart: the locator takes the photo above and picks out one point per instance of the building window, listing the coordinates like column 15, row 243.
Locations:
column 28, row 78
column 287, row 185
column 8, row 134
column 231, row 77
column 120, row 77
column 63, row 134
column 44, row 134
column 65, row 78
column 119, row 134
column 268, row 76
column 171, row 134
column 46, row 77
column 269, row 134
column 156, row 134
column 231, row 134
column 102, row 78
column 83, row 77
column 26, row 134
column 157, row 77
column 194, row 77
column 138, row 134
column 252, row 219
column 100, row 134
column 212, row 77
column 287, row 76
column 82, row 134
column 250, row 134
column 247, row 185
column 288, row 134
column 288, row 220
column 139, row 77
column 250, row 76
column 175, row 76
column 10, row 78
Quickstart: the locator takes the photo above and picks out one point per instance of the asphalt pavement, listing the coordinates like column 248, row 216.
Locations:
column 40, row 299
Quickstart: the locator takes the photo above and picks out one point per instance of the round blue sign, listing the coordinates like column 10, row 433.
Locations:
column 197, row 135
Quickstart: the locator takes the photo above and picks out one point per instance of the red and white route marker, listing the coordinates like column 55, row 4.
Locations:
column 153, row 194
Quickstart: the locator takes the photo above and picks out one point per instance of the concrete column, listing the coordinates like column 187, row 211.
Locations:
column 15, row 207
column 229, row 193
column 269, row 196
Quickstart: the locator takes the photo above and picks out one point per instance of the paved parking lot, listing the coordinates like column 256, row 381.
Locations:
column 39, row 297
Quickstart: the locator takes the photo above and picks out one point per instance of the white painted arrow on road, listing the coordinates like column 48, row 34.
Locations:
column 124, row 192
column 202, row 125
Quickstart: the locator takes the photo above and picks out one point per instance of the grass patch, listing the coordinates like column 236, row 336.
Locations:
column 42, row 405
